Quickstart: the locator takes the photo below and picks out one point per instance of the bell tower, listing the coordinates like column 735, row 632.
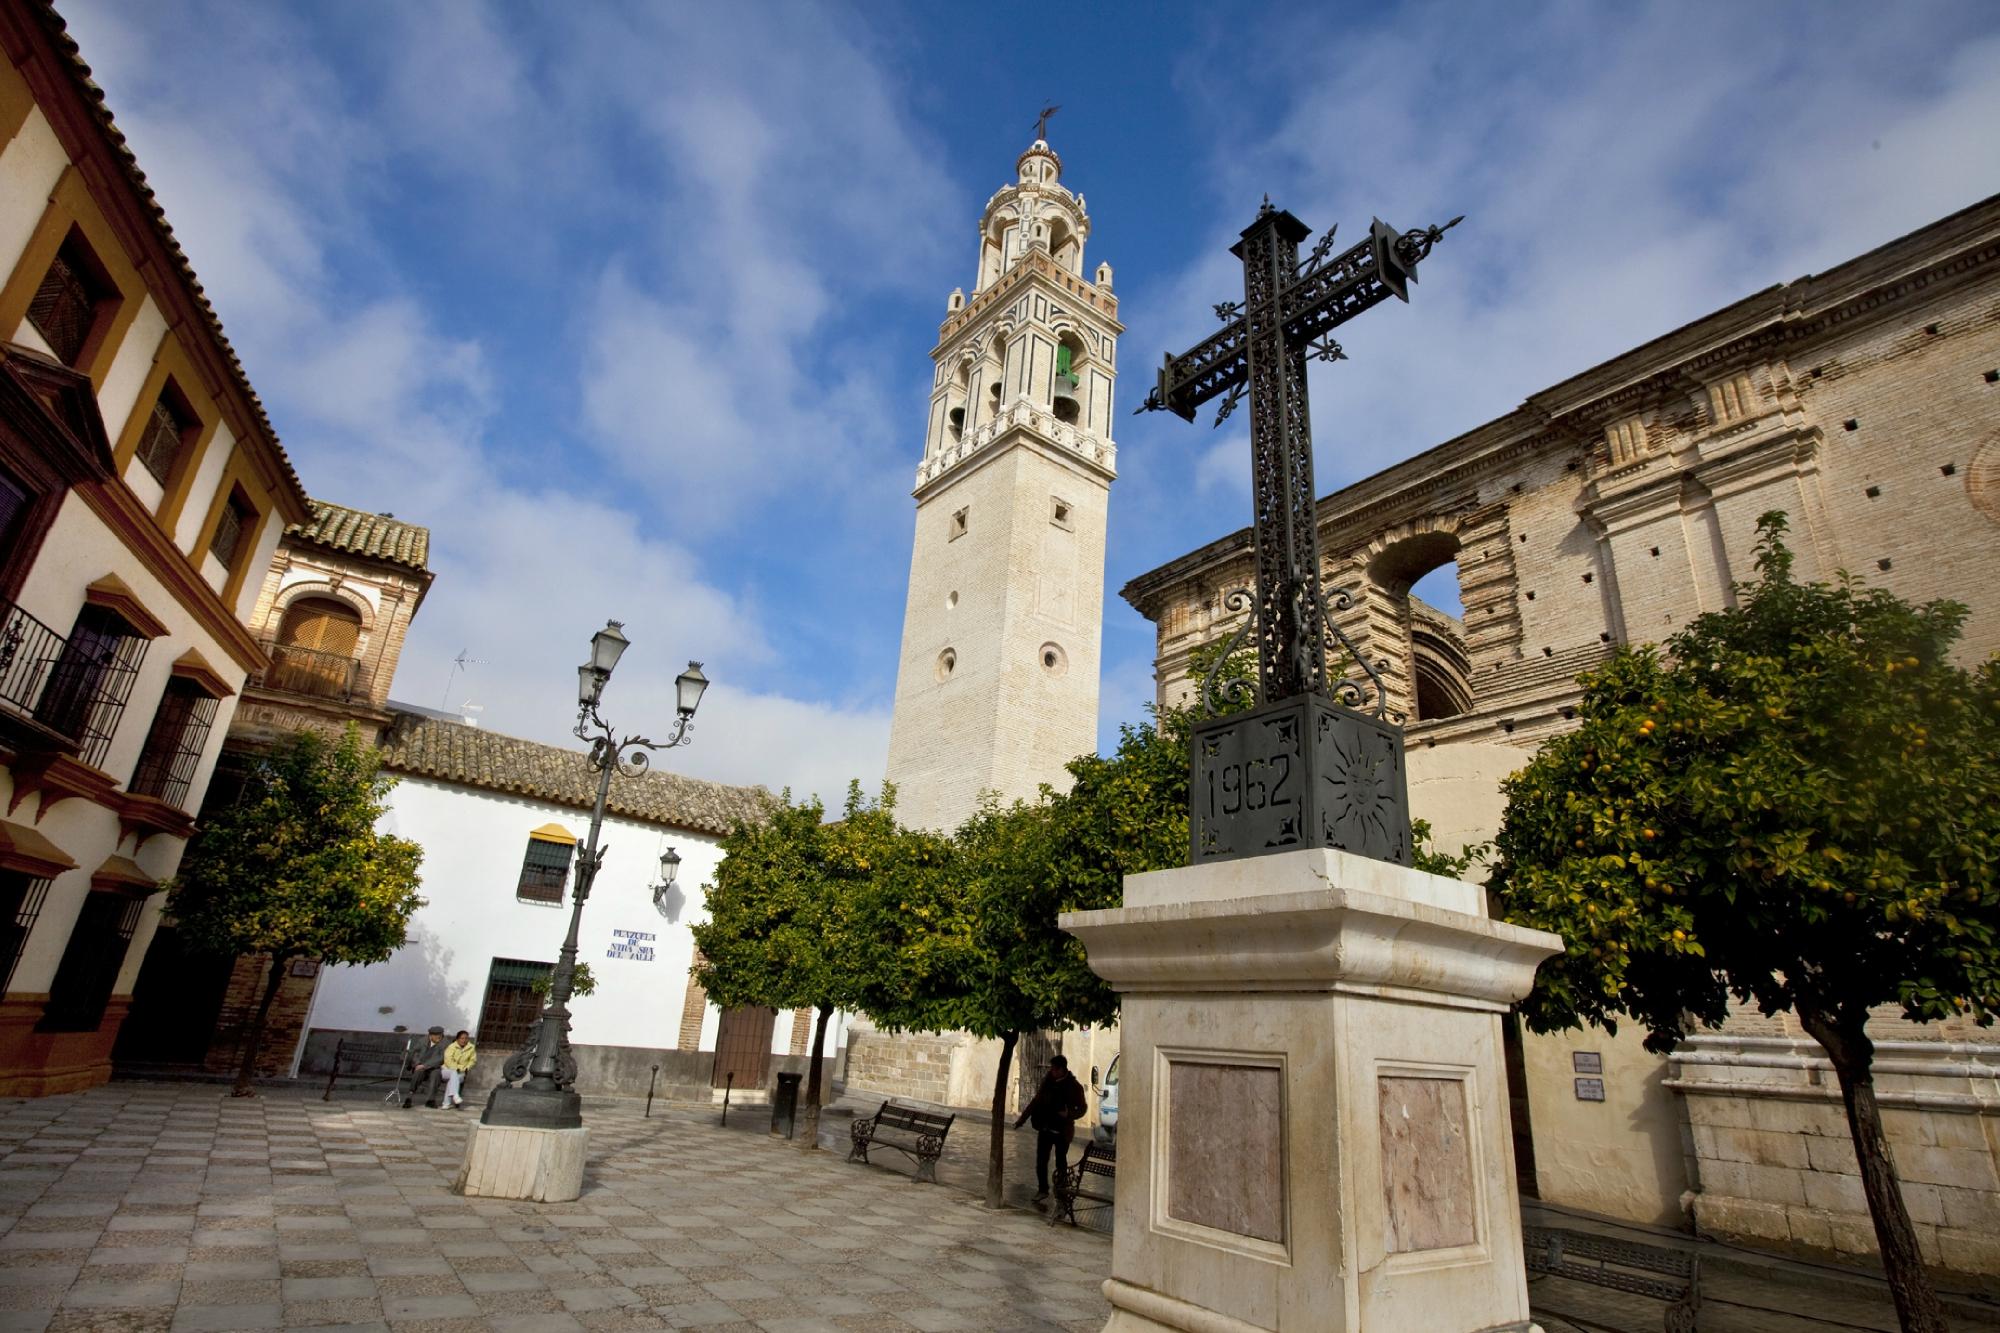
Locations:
column 997, row 684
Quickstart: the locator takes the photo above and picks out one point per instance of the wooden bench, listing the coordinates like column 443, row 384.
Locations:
column 371, row 1057
column 1099, row 1159
column 1655, row 1271
column 918, row 1135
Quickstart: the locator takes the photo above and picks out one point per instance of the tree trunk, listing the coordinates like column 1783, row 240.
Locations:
column 811, row 1135
column 1853, row 1056
column 254, row 1040
column 996, row 1142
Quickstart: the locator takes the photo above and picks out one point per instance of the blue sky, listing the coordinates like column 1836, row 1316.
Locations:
column 631, row 303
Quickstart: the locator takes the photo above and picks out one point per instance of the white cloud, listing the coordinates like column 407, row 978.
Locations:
column 385, row 407
column 1623, row 172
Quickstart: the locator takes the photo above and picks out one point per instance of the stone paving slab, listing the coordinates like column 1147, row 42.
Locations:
column 144, row 1207
column 151, row 1208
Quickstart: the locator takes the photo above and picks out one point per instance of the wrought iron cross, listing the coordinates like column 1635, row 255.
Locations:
column 1289, row 310
column 1303, row 768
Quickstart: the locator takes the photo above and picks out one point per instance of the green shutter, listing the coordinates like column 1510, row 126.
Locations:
column 1062, row 359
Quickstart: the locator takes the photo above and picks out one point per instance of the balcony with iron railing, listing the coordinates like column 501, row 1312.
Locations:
column 314, row 673
column 62, row 694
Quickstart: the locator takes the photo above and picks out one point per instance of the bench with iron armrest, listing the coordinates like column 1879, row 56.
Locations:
column 1099, row 1160
column 1669, row 1275
column 918, row 1135
column 371, row 1057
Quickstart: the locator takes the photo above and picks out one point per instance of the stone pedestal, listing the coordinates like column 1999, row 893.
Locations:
column 1313, row 1132
column 507, row 1162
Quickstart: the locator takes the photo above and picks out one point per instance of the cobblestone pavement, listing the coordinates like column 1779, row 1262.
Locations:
column 142, row 1207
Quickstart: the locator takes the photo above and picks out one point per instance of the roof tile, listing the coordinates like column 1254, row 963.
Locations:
column 357, row 532
column 454, row 752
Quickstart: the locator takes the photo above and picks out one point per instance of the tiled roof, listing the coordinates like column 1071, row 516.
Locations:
column 357, row 532
column 453, row 752
column 93, row 97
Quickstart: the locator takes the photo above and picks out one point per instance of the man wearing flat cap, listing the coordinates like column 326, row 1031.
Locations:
column 428, row 1065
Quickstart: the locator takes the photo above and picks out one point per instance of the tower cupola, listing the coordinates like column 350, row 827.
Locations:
column 1036, row 212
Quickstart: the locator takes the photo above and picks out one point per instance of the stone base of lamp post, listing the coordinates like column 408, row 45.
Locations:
column 1313, row 1132
column 509, row 1162
column 532, row 1108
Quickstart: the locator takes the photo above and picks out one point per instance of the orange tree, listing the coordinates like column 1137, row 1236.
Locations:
column 296, row 867
column 781, row 929
column 1794, row 804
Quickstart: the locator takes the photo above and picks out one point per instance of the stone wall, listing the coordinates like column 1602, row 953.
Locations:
column 916, row 1065
column 287, row 1018
column 607, row 1071
column 1772, row 1162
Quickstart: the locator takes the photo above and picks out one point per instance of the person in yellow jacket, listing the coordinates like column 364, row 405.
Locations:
column 459, row 1057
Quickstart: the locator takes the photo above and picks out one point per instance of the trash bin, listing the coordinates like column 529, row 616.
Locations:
column 785, row 1104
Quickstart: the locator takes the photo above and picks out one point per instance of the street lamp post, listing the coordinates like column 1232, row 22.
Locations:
column 547, row 1099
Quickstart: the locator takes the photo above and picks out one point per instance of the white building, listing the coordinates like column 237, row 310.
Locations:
column 499, row 820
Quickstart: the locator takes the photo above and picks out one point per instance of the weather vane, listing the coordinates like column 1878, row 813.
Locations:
column 1042, row 121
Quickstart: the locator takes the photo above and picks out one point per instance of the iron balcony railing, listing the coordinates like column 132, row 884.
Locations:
column 310, row 671
column 75, row 685
column 29, row 651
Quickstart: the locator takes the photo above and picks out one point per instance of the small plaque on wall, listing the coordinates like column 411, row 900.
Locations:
column 1587, row 1062
column 1590, row 1089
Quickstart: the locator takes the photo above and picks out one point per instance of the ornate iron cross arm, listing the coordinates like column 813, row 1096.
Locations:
column 1328, row 293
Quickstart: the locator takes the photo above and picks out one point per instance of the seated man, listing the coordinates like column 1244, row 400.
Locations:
column 428, row 1065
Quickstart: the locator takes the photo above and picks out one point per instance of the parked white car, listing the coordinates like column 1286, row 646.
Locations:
column 1107, row 1105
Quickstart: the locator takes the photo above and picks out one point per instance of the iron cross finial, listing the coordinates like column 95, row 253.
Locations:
column 1042, row 121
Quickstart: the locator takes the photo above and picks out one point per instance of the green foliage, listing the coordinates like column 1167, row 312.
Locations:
column 1795, row 803
column 802, row 911
column 582, row 981
column 1433, row 861
column 296, row 868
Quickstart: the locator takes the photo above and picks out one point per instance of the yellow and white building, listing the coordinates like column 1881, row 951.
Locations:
column 142, row 495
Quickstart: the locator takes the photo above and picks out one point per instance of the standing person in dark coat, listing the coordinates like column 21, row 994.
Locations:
column 428, row 1065
column 1057, row 1106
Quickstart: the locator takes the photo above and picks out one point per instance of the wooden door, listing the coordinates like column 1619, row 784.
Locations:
column 743, row 1046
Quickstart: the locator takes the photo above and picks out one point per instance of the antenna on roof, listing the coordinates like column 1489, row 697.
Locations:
column 458, row 664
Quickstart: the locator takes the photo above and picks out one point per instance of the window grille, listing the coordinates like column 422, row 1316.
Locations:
column 511, row 1009
column 86, row 691
column 173, row 747
column 230, row 526
column 166, row 433
column 90, row 963
column 544, row 871
column 65, row 306
column 21, row 899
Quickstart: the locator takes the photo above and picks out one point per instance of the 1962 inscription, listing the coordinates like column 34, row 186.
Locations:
column 1259, row 784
